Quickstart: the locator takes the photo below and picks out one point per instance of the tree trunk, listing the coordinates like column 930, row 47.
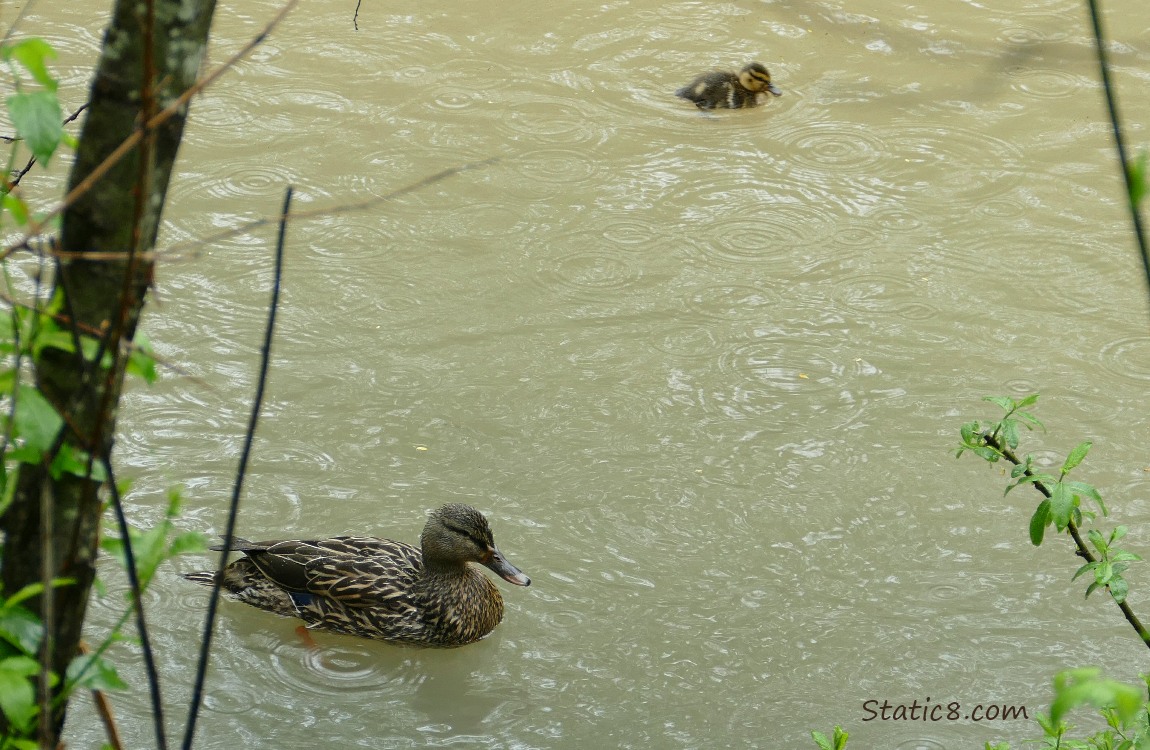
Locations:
column 151, row 54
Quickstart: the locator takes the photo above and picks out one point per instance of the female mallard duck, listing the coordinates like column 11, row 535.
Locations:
column 722, row 88
column 379, row 588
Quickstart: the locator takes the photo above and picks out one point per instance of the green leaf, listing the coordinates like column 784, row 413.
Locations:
column 1095, row 537
column 141, row 361
column 72, row 460
column 189, row 541
column 1030, row 420
column 38, row 120
column 24, row 594
column 1118, row 589
column 1084, row 489
column 1037, row 477
column 1083, row 569
column 970, row 433
column 94, row 673
column 1038, row 523
column 1077, row 687
column 986, row 452
column 1030, row 400
column 17, row 698
column 147, row 549
column 1007, row 404
column 821, row 740
column 33, row 53
column 1122, row 554
column 17, row 207
column 1010, row 432
column 18, row 744
column 1076, row 456
column 21, row 628
column 36, row 420
column 1044, row 479
column 1061, row 504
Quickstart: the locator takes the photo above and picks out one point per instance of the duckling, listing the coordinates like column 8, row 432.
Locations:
column 724, row 89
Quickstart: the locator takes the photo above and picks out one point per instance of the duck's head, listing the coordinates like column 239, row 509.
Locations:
column 457, row 534
column 756, row 78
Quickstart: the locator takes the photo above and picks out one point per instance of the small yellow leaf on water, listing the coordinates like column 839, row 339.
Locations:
column 804, row 376
column 421, row 447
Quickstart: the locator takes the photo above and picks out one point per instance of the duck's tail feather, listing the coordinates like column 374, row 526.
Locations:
column 202, row 577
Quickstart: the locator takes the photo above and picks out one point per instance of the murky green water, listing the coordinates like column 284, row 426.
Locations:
column 702, row 372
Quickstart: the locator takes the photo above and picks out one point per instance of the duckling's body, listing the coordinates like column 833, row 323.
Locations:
column 724, row 89
column 380, row 588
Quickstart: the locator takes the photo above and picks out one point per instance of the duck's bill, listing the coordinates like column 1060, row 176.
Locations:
column 508, row 572
column 774, row 89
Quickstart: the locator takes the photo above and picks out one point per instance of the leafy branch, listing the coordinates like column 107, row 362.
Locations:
column 1061, row 505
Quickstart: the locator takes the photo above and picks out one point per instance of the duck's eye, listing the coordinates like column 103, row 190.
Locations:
column 466, row 534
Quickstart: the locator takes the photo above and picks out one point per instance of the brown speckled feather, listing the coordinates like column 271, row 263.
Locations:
column 379, row 588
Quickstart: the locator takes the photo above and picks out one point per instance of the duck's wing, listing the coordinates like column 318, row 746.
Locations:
column 356, row 571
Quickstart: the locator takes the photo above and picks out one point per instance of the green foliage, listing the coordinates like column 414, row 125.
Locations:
column 1061, row 506
column 1122, row 706
column 1079, row 687
column 33, row 54
column 837, row 741
column 142, row 360
column 1109, row 567
column 36, row 114
column 21, row 631
column 93, row 672
column 38, row 117
column 152, row 547
column 20, row 635
column 18, row 693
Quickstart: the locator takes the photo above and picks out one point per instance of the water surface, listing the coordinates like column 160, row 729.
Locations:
column 702, row 372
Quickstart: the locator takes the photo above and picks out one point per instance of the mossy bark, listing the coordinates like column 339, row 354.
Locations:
column 52, row 526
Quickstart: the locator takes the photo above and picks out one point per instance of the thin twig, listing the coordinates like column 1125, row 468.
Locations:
column 137, row 603
column 234, row 508
column 104, row 709
column 48, row 606
column 38, row 227
column 332, row 211
column 19, row 175
column 1119, row 138
column 126, row 347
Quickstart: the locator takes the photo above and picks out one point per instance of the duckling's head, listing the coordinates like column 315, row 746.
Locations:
column 756, row 78
column 457, row 534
